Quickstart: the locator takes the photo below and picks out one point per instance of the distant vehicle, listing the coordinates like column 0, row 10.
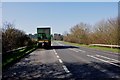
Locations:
column 44, row 37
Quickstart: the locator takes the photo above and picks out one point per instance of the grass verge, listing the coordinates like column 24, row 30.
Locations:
column 11, row 58
column 94, row 47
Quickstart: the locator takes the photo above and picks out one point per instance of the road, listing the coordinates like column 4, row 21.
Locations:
column 66, row 61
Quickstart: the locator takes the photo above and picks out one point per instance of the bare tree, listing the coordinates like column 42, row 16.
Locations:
column 105, row 32
column 13, row 38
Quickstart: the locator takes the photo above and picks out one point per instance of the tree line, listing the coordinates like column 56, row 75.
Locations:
column 13, row 38
column 103, row 32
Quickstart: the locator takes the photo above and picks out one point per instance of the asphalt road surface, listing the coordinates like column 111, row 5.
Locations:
column 66, row 61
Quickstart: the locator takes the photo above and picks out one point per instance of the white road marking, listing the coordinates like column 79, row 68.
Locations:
column 103, row 60
column 55, row 53
column 60, row 61
column 76, row 50
column 65, row 68
column 58, row 56
column 54, row 50
column 80, row 50
column 114, row 60
column 105, row 71
column 73, row 50
column 51, row 44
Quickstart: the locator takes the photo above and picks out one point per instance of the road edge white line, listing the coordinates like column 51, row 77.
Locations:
column 108, row 58
column 103, row 60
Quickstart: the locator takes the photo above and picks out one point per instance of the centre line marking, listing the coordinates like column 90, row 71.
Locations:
column 54, row 50
column 65, row 68
column 81, row 50
column 103, row 60
column 51, row 44
column 55, row 53
column 73, row 50
column 60, row 61
column 58, row 56
column 77, row 50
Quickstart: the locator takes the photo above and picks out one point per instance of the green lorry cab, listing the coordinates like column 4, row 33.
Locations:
column 44, row 37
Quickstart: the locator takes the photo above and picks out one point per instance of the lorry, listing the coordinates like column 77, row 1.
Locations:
column 44, row 37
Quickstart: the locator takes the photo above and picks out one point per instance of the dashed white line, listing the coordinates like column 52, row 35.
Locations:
column 80, row 50
column 108, row 58
column 65, row 68
column 60, row 61
column 76, row 50
column 55, row 53
column 58, row 56
column 54, row 50
column 73, row 50
column 103, row 60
